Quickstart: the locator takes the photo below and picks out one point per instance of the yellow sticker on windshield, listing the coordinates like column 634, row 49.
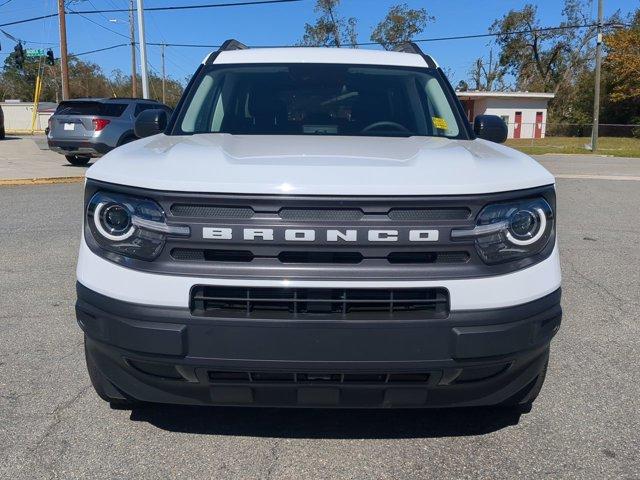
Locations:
column 440, row 123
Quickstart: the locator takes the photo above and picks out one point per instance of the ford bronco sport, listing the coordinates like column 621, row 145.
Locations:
column 318, row 227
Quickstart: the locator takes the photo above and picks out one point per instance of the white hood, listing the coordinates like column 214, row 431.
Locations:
column 319, row 165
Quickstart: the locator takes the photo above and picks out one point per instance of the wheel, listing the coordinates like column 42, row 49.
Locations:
column 98, row 382
column 77, row 160
column 2, row 133
column 523, row 400
column 126, row 140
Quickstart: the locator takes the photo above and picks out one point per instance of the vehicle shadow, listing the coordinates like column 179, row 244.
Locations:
column 326, row 423
column 82, row 167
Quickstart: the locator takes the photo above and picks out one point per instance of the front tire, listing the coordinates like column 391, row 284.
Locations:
column 98, row 382
column 2, row 133
column 77, row 160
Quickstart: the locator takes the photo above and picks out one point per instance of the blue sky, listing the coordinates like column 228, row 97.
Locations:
column 268, row 24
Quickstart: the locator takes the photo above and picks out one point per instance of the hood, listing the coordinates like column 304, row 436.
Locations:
column 319, row 165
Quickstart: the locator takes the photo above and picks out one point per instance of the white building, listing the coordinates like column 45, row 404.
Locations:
column 524, row 112
column 19, row 115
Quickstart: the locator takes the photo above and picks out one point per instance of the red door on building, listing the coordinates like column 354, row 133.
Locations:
column 538, row 131
column 517, row 128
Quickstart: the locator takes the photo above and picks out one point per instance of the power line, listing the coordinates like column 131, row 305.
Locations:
column 32, row 19
column 98, row 24
column 192, row 7
column 154, row 9
column 99, row 50
column 419, row 40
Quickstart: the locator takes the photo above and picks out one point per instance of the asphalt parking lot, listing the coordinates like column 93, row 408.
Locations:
column 585, row 423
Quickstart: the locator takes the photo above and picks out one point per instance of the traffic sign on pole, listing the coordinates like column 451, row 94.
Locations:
column 35, row 52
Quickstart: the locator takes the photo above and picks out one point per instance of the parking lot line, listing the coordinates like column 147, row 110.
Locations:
column 599, row 177
column 39, row 181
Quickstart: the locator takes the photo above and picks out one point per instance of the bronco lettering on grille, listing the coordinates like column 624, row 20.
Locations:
column 311, row 235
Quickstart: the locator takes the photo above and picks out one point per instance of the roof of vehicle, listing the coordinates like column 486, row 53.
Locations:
column 234, row 52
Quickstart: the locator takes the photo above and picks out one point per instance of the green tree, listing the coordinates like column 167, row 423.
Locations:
column 546, row 60
column 330, row 29
column 549, row 60
column 400, row 25
column 86, row 80
column 623, row 61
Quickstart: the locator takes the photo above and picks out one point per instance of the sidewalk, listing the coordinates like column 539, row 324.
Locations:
column 25, row 160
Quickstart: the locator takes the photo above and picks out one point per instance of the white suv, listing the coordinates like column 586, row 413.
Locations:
column 318, row 228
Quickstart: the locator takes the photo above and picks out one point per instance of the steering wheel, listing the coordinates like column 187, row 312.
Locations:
column 377, row 125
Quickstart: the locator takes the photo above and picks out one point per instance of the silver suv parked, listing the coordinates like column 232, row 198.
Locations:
column 88, row 128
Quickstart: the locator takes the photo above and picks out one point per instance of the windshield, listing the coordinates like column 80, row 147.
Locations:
column 91, row 108
column 319, row 99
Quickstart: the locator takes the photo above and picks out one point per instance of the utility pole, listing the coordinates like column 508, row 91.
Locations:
column 64, row 61
column 164, row 76
column 143, row 51
column 596, row 96
column 132, row 33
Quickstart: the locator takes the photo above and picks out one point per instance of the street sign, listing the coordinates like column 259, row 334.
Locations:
column 35, row 52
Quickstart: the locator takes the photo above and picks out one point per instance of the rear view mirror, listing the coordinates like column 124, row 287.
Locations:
column 490, row 127
column 150, row 122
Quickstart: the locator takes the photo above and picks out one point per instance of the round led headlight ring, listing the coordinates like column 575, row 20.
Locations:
column 113, row 221
column 536, row 220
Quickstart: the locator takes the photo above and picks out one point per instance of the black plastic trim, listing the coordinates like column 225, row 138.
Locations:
column 175, row 331
column 74, row 145
column 179, row 353
column 177, row 112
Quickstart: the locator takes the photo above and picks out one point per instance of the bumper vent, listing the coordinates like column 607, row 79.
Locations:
column 310, row 303
column 314, row 378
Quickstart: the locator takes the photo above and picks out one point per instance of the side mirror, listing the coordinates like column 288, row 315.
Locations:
column 150, row 122
column 490, row 127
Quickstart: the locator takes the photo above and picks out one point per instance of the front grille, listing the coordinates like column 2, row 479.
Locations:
column 313, row 214
column 318, row 257
column 317, row 303
column 429, row 214
column 315, row 378
column 211, row 211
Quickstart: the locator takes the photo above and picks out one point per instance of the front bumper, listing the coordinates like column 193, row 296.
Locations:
column 81, row 148
column 164, row 354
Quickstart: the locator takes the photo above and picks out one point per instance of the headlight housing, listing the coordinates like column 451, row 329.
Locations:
column 512, row 230
column 129, row 226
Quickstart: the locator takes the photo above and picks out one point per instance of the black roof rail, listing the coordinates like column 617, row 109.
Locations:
column 227, row 46
column 412, row 47
column 232, row 44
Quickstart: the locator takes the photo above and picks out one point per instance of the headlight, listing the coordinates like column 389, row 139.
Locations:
column 510, row 231
column 130, row 226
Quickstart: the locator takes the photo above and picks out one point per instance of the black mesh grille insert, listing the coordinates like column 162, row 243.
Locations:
column 316, row 257
column 310, row 215
column 321, row 257
column 210, row 211
column 428, row 214
column 347, row 304
column 304, row 378
column 428, row 257
column 210, row 255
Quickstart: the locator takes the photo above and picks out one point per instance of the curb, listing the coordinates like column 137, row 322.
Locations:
column 39, row 181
